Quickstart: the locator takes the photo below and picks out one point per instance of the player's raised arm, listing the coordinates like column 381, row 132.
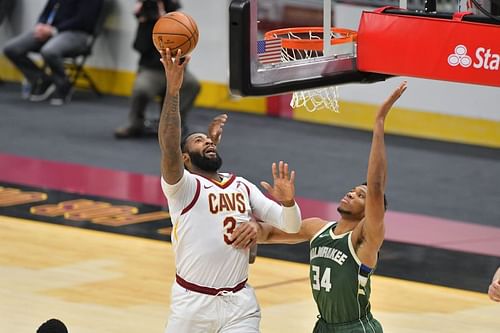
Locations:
column 372, row 228
column 169, row 129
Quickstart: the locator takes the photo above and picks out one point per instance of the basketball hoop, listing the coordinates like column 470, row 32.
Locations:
column 316, row 99
column 307, row 43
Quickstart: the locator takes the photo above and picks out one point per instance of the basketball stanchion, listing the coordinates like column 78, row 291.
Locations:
column 305, row 43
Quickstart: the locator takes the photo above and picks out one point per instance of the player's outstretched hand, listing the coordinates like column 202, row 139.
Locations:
column 174, row 69
column 386, row 107
column 215, row 128
column 283, row 188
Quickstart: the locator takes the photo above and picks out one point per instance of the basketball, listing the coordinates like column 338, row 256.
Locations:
column 175, row 30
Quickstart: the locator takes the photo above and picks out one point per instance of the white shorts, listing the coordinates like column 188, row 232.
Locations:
column 192, row 312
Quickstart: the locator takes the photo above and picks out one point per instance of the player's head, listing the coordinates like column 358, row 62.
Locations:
column 352, row 205
column 200, row 152
column 52, row 326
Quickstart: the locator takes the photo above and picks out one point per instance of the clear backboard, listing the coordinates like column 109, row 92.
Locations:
column 254, row 69
column 268, row 57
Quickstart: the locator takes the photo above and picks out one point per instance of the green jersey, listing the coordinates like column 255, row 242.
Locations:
column 340, row 282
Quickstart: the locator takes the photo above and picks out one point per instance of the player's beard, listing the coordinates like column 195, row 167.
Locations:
column 204, row 163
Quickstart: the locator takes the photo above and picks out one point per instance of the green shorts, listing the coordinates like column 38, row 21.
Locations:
column 365, row 325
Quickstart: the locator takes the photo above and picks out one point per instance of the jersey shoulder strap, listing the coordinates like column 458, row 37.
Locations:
column 326, row 228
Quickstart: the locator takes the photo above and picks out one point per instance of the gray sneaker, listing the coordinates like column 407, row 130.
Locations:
column 42, row 91
column 61, row 97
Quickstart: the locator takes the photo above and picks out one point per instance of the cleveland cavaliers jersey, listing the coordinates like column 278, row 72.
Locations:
column 204, row 213
column 340, row 283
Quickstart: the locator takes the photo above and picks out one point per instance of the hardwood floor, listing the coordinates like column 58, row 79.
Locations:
column 108, row 283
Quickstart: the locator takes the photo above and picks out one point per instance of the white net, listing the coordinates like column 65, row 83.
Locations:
column 316, row 99
column 313, row 99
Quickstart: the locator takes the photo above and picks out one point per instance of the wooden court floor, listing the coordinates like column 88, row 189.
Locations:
column 108, row 283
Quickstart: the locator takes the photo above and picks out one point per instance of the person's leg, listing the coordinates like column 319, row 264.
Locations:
column 192, row 312
column 16, row 50
column 241, row 312
column 147, row 85
column 6, row 7
column 365, row 325
column 66, row 43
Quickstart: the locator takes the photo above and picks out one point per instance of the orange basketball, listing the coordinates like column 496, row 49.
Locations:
column 175, row 30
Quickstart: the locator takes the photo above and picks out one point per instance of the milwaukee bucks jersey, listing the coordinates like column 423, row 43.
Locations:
column 340, row 282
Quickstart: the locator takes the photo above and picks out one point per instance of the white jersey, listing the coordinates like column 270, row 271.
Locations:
column 204, row 213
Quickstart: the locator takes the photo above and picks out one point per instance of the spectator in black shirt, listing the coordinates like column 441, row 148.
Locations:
column 150, row 80
column 63, row 27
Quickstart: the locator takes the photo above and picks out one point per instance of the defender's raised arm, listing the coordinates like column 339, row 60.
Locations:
column 372, row 229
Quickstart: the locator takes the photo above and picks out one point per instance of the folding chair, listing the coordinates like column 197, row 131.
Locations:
column 74, row 63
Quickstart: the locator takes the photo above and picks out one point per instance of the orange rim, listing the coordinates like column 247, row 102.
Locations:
column 346, row 36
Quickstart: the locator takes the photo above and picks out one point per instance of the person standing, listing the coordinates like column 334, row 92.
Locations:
column 150, row 78
column 210, row 292
column 63, row 28
column 344, row 253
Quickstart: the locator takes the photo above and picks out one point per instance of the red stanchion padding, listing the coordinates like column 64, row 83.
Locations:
column 430, row 48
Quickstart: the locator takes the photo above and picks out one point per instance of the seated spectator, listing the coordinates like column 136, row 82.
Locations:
column 62, row 28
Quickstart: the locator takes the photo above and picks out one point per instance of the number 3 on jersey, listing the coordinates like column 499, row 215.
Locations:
column 229, row 225
column 325, row 279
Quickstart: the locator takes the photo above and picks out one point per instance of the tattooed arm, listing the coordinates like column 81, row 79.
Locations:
column 169, row 129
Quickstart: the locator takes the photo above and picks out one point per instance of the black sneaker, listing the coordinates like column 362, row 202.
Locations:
column 61, row 96
column 42, row 91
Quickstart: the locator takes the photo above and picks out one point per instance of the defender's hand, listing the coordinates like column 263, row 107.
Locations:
column 283, row 189
column 245, row 235
column 215, row 128
column 386, row 107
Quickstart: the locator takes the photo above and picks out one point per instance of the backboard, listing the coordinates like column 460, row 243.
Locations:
column 255, row 70
column 250, row 75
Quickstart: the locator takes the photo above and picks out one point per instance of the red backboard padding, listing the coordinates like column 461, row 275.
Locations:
column 430, row 48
